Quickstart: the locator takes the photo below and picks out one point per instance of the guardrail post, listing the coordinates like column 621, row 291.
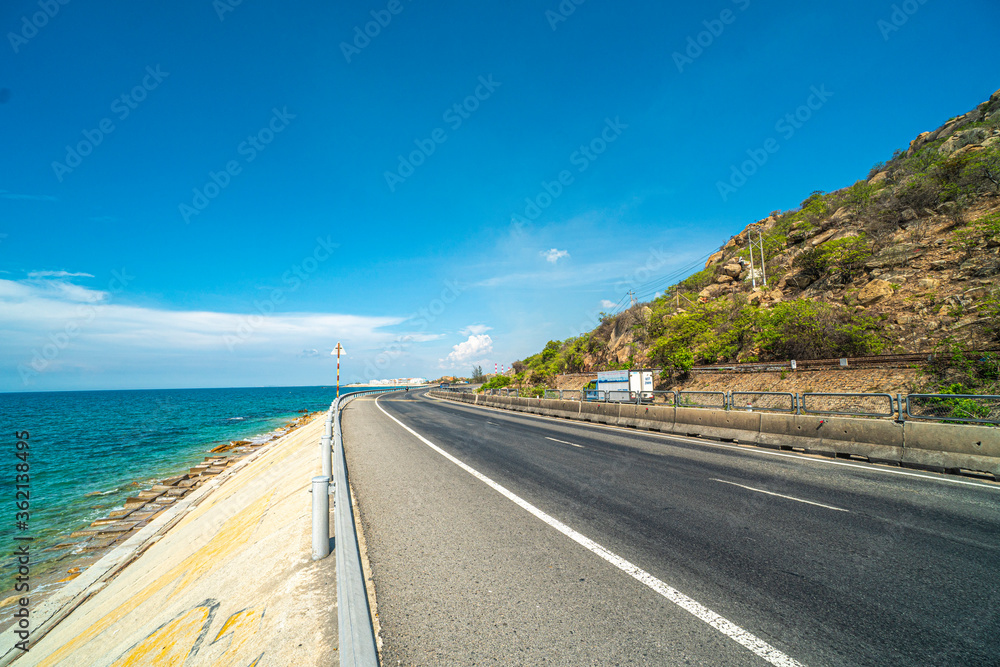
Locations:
column 899, row 405
column 321, row 517
column 326, row 461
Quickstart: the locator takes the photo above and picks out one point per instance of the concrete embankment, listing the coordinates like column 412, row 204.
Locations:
column 223, row 577
column 925, row 445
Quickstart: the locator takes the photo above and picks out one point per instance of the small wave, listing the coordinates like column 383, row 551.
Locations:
column 236, row 419
column 101, row 493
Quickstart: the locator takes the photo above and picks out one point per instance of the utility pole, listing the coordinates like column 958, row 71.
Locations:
column 631, row 296
column 757, row 245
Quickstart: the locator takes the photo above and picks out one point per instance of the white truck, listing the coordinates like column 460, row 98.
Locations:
column 624, row 386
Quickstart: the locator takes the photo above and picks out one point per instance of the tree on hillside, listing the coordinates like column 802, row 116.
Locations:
column 477, row 374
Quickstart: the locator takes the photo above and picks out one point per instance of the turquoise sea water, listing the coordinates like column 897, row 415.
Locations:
column 88, row 448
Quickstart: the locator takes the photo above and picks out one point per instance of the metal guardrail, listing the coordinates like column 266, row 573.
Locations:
column 969, row 408
column 702, row 399
column 768, row 401
column 665, row 398
column 356, row 635
column 859, row 405
column 964, row 408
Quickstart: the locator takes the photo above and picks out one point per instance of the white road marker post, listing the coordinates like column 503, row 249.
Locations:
column 320, row 517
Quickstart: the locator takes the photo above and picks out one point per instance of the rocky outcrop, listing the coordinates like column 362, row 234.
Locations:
column 874, row 292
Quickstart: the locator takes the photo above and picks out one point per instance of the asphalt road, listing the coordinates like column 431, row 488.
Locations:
column 823, row 562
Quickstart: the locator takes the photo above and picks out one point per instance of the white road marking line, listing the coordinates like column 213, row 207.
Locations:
column 743, row 448
column 693, row 607
column 770, row 493
column 565, row 443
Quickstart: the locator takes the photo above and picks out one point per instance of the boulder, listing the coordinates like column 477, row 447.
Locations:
column 963, row 139
column 714, row 259
column 874, row 292
column 879, row 177
column 909, row 215
column 919, row 142
column 840, row 217
column 725, row 279
column 928, row 283
column 732, row 270
column 822, row 238
column 798, row 280
column 894, row 256
column 713, row 291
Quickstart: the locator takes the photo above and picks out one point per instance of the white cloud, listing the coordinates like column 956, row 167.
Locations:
column 475, row 346
column 420, row 337
column 475, row 330
column 309, row 353
column 12, row 195
column 552, row 256
column 607, row 304
column 56, row 329
column 58, row 274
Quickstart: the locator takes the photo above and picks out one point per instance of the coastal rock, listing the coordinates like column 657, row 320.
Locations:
column 879, row 177
column 874, row 292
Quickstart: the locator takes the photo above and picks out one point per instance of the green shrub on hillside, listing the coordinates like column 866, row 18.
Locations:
column 844, row 258
column 498, row 382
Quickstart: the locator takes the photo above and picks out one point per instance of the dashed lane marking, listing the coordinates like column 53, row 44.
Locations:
column 771, row 493
column 572, row 444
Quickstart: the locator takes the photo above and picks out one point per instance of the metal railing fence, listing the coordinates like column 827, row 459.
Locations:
column 702, row 399
column 967, row 408
column 767, row 401
column 859, row 405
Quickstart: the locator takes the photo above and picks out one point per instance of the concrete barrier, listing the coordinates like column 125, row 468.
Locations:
column 951, row 447
column 878, row 441
column 601, row 413
column 722, row 424
column 941, row 447
column 649, row 417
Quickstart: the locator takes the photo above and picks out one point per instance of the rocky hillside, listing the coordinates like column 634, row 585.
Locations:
column 906, row 260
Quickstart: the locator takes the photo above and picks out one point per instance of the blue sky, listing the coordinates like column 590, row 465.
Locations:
column 213, row 194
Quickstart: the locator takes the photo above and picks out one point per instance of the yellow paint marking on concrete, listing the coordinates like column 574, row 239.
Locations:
column 252, row 473
column 243, row 627
column 171, row 644
column 233, row 534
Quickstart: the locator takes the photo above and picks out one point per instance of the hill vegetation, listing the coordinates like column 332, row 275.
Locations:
column 905, row 260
